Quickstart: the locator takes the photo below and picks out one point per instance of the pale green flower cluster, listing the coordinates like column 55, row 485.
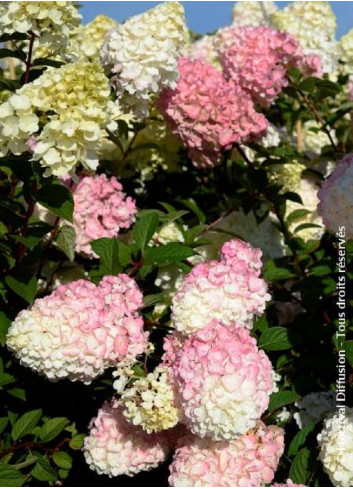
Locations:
column 72, row 103
column 313, row 24
column 51, row 22
column 346, row 52
column 87, row 41
column 150, row 402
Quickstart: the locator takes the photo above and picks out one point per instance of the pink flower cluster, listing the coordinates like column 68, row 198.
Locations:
column 208, row 113
column 288, row 483
column 81, row 329
column 249, row 461
column 257, row 58
column 115, row 447
column 223, row 381
column 101, row 211
column 229, row 290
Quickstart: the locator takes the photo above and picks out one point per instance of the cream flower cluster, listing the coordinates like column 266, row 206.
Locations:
column 308, row 192
column 115, row 447
column 229, row 290
column 336, row 448
column 346, row 52
column 208, row 113
column 253, row 13
column 149, row 402
column 101, row 210
column 249, row 461
column 167, row 234
column 142, row 55
column 87, row 41
column 313, row 24
column 78, row 96
column 336, row 200
column 313, row 407
column 223, row 382
column 81, row 329
column 51, row 22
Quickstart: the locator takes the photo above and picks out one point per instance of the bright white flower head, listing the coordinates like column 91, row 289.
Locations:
column 115, row 447
column 336, row 198
column 149, row 402
column 313, row 407
column 336, row 448
column 51, row 22
column 81, row 329
column 313, row 24
column 142, row 54
column 346, row 52
column 253, row 13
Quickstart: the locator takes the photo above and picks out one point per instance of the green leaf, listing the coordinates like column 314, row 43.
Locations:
column 272, row 272
column 58, row 199
column 47, row 62
column 282, row 398
column 308, row 85
column 300, row 439
column 298, row 214
column 299, row 471
column 25, row 287
column 144, row 229
column 66, row 241
column 168, row 254
column 151, row 299
column 62, row 460
column 35, row 234
column 9, row 53
column 5, row 323
column 52, row 428
column 191, row 204
column 348, row 346
column 43, row 471
column 18, row 393
column 108, row 251
column 25, row 424
column 77, row 441
column 10, row 476
column 124, row 253
column 278, row 338
column 3, row 423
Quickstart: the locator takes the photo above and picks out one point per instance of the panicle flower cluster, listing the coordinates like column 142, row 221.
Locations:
column 87, row 41
column 249, row 461
column 257, row 59
column 81, row 329
column 74, row 102
column 346, row 52
column 336, row 448
column 142, row 55
column 253, row 13
column 50, row 22
column 149, row 402
column 313, row 24
column 222, row 381
column 208, row 113
column 115, row 447
column 314, row 139
column 313, row 407
column 308, row 192
column 336, row 198
column 229, row 290
column 101, row 210
column 288, row 483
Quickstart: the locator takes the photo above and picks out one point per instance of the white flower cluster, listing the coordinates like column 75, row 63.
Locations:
column 50, row 22
column 346, row 52
column 149, row 402
column 253, row 13
column 314, row 26
column 77, row 98
column 167, row 234
column 336, row 448
column 313, row 407
column 142, row 54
